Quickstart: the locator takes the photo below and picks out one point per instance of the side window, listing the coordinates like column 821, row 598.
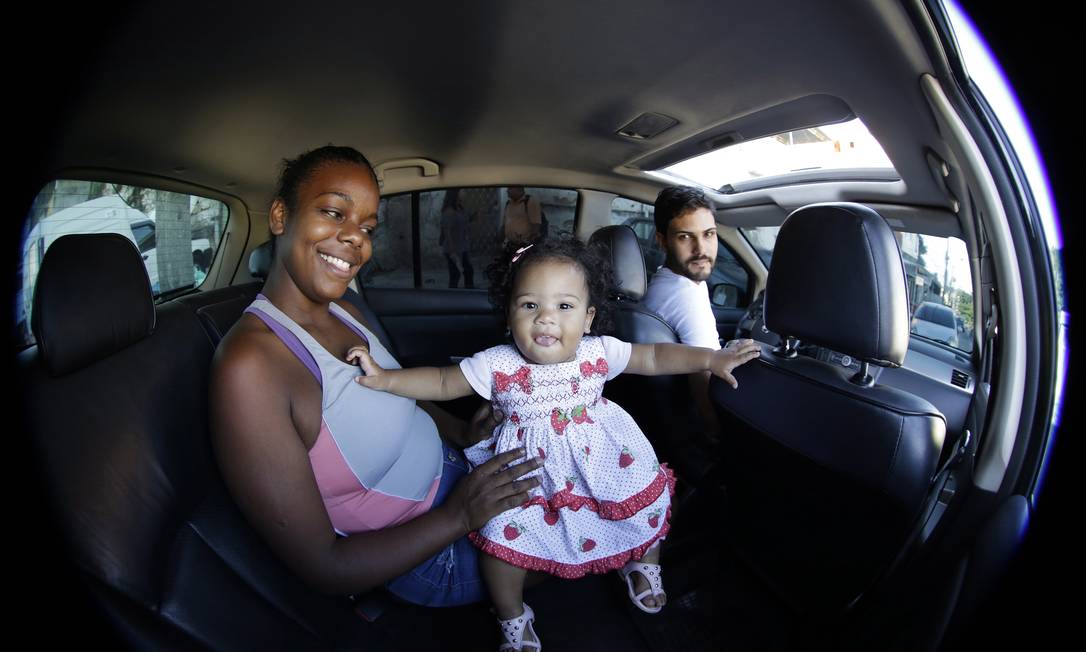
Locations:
column 460, row 230
column 940, row 288
column 176, row 234
column 390, row 265
column 729, row 283
column 728, row 272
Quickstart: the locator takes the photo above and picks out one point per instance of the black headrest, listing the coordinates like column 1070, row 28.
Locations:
column 92, row 299
column 260, row 260
column 627, row 262
column 837, row 280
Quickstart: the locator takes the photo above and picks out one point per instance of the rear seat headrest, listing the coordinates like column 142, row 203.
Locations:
column 837, row 280
column 260, row 260
column 92, row 299
column 627, row 262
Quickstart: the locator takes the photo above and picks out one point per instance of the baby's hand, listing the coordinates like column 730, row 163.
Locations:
column 737, row 352
column 373, row 379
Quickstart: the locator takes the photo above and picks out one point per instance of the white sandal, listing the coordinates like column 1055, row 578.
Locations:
column 513, row 631
column 652, row 574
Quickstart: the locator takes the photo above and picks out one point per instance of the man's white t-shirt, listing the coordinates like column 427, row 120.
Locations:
column 684, row 304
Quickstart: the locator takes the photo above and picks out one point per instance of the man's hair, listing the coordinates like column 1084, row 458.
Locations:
column 676, row 200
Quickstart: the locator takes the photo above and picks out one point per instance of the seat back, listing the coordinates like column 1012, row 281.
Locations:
column 661, row 405
column 827, row 471
column 128, row 464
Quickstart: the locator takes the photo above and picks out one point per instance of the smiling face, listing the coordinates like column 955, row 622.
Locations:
column 549, row 311
column 325, row 239
column 691, row 244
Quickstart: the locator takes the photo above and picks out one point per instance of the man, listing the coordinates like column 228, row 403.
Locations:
column 686, row 230
column 523, row 217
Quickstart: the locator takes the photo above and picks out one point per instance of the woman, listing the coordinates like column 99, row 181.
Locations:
column 350, row 490
column 454, row 239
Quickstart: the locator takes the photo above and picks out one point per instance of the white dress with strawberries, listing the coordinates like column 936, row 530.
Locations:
column 604, row 497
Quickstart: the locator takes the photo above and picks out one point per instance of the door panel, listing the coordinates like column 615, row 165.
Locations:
column 435, row 327
column 727, row 321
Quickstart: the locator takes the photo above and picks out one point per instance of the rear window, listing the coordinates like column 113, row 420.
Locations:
column 176, row 234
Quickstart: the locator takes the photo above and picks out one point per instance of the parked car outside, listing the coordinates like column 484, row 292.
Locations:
column 935, row 322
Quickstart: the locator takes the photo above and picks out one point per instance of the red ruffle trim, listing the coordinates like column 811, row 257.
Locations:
column 567, row 571
column 607, row 509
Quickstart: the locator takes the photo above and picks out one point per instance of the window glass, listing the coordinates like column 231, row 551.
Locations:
column 729, row 271
column 843, row 146
column 940, row 288
column 937, row 277
column 390, row 265
column 177, row 234
column 639, row 216
column 461, row 230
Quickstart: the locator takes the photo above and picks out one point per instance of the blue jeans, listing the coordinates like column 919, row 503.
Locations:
column 451, row 577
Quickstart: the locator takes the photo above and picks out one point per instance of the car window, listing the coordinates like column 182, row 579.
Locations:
column 639, row 216
column 176, row 234
column 459, row 231
column 937, row 277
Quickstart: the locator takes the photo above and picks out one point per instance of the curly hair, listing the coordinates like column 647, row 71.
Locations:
column 592, row 262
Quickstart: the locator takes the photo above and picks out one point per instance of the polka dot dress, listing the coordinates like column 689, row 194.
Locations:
column 604, row 499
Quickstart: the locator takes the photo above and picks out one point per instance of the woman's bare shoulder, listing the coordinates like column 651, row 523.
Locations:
column 250, row 347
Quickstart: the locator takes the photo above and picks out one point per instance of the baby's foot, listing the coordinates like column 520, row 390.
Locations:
column 641, row 584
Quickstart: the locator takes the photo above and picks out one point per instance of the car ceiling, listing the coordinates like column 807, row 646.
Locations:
column 217, row 94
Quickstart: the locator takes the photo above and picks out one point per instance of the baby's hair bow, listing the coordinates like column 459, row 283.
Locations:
column 520, row 252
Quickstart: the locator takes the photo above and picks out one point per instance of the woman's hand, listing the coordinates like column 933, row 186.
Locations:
column 734, row 354
column 488, row 490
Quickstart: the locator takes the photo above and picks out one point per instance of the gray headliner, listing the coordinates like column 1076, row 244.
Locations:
column 495, row 91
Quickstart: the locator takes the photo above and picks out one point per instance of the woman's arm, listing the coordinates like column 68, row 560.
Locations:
column 267, row 469
column 419, row 383
column 663, row 359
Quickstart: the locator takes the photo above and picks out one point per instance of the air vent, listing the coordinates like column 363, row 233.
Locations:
column 647, row 125
column 959, row 378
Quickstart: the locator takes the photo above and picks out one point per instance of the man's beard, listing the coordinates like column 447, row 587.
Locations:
column 685, row 269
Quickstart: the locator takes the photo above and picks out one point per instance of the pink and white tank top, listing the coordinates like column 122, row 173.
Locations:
column 378, row 457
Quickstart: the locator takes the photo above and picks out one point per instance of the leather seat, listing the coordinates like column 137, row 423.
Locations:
column 127, row 460
column 661, row 405
column 827, row 471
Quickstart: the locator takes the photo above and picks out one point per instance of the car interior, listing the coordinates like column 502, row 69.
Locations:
column 867, row 486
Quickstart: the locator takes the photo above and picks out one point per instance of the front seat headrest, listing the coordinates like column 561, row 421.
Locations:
column 627, row 262
column 837, row 280
column 260, row 259
column 92, row 299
